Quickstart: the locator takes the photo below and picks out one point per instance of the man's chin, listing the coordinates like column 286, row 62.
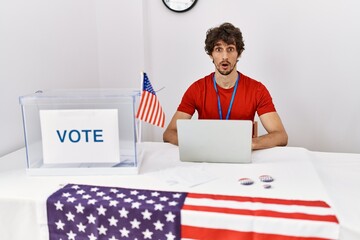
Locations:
column 225, row 72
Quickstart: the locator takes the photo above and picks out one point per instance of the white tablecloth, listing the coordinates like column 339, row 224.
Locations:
column 334, row 179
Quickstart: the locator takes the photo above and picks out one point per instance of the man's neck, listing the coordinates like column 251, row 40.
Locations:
column 226, row 81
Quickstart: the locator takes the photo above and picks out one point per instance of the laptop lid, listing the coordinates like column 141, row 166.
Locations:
column 222, row 141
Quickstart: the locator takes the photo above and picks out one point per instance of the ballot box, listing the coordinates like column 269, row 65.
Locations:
column 81, row 131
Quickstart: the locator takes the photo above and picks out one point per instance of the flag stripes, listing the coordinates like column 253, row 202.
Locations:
column 259, row 199
column 237, row 217
column 189, row 232
column 150, row 109
column 253, row 205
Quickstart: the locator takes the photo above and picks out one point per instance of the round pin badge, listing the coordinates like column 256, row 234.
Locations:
column 267, row 186
column 246, row 181
column 266, row 178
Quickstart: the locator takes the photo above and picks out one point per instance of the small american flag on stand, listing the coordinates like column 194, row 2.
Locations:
column 150, row 109
column 79, row 212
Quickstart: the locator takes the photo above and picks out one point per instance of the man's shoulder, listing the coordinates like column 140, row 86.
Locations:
column 246, row 78
column 206, row 78
column 249, row 81
column 202, row 82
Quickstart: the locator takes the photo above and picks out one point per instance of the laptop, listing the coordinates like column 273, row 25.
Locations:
column 221, row 141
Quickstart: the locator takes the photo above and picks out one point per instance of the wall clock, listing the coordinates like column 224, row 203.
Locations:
column 179, row 5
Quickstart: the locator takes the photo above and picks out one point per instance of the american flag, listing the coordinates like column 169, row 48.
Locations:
column 150, row 109
column 112, row 213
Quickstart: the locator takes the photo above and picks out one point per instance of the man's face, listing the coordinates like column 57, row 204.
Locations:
column 224, row 57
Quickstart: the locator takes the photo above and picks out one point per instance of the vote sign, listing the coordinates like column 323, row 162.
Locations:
column 80, row 136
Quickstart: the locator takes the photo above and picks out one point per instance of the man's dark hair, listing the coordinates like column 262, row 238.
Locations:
column 227, row 33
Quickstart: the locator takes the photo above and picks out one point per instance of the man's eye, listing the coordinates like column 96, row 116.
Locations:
column 218, row 49
column 231, row 49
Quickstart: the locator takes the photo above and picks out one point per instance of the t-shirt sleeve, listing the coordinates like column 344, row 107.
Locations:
column 188, row 101
column 265, row 103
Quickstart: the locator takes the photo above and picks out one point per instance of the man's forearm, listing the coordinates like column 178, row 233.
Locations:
column 170, row 136
column 270, row 140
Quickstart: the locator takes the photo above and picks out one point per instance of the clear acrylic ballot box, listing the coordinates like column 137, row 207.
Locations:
column 81, row 132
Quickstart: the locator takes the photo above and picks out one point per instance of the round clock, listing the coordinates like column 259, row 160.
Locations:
column 179, row 5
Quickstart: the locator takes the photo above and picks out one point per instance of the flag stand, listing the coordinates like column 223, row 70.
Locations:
column 139, row 124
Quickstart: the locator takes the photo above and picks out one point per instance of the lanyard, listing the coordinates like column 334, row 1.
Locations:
column 231, row 101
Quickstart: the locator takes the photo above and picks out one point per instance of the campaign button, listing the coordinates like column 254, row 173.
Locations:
column 266, row 178
column 246, row 181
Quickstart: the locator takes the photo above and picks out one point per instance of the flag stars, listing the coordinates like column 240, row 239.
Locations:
column 59, row 205
column 176, row 195
column 159, row 207
column 173, row 203
column 71, row 235
column 164, row 199
column 67, row 194
column 142, row 197
column 158, row 225
column 146, row 214
column 81, row 227
column 120, row 195
column 92, row 201
column 123, row 213
column 134, row 192
column 91, row 219
column 135, row 223
column 113, row 203
column 135, row 205
column 147, row 234
column 80, row 192
column 101, row 210
column 70, row 217
column 107, row 198
column 60, row 225
column 170, row 217
column 128, row 200
column 71, row 199
column 170, row 236
column 124, row 232
column 100, row 194
column 151, row 201
column 113, row 221
column 92, row 237
column 102, row 230
column 114, row 190
column 87, row 196
column 155, row 194
column 79, row 208
column 110, row 213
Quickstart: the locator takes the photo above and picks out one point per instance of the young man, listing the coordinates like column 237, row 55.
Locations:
column 229, row 94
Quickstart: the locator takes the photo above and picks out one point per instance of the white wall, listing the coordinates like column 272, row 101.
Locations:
column 64, row 44
column 120, row 42
column 305, row 52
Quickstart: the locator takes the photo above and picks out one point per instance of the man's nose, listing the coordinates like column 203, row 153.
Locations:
column 224, row 55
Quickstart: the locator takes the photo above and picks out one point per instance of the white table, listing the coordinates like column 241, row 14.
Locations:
column 299, row 174
column 340, row 174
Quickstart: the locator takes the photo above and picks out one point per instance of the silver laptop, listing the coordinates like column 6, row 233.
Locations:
column 222, row 141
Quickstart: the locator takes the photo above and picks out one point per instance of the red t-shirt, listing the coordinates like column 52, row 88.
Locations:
column 251, row 97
